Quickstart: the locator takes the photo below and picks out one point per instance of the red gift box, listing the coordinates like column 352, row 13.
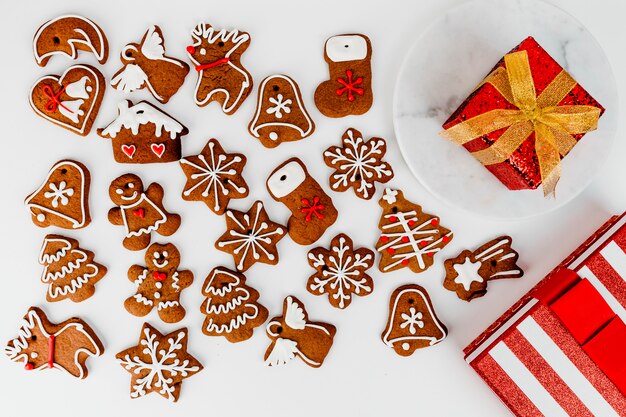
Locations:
column 521, row 169
column 561, row 349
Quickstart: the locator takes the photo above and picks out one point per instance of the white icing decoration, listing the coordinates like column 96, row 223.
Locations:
column 34, row 355
column 500, row 254
column 130, row 79
column 286, row 179
column 142, row 299
column 141, row 278
column 412, row 320
column 142, row 199
column 344, row 48
column 390, row 195
column 280, row 105
column 284, row 350
column 175, row 280
column 294, row 316
column 157, row 295
column 167, row 304
column 59, row 192
column 78, row 89
column 135, row 116
column 71, row 109
column 467, row 273
column 273, row 136
column 41, row 217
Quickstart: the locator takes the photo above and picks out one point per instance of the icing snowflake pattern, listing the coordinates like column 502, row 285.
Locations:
column 59, row 193
column 411, row 320
column 280, row 105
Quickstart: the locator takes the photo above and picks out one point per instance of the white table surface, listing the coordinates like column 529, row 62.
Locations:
column 360, row 376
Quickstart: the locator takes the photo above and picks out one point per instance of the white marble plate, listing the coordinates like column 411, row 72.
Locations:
column 445, row 64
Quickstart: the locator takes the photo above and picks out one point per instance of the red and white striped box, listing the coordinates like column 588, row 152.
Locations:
column 561, row 349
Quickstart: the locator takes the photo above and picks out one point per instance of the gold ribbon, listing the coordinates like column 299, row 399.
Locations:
column 553, row 125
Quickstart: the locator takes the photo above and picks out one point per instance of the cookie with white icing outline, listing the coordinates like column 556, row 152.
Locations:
column 469, row 272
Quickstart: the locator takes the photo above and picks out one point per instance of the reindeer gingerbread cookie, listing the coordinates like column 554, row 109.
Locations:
column 140, row 212
column 216, row 55
column 159, row 284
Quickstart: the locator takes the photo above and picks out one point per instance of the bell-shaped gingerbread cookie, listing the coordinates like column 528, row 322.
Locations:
column 280, row 113
column 312, row 210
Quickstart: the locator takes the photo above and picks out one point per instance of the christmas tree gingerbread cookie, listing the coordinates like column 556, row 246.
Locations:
column 468, row 273
column 70, row 272
column 216, row 56
column 412, row 322
column 159, row 284
column 409, row 237
column 66, row 346
column 280, row 114
column 146, row 66
column 231, row 307
column 140, row 212
column 63, row 198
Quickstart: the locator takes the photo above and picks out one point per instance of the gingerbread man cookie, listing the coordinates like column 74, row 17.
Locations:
column 66, row 346
column 280, row 114
column 216, row 55
column 145, row 65
column 140, row 212
column 312, row 210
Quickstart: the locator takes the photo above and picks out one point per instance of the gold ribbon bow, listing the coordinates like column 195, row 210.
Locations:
column 553, row 125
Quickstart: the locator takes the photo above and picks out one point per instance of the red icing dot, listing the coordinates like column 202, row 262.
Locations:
column 393, row 219
column 423, row 243
column 445, row 239
column 29, row 366
column 191, row 49
column 405, row 262
column 411, row 223
column 405, row 239
column 431, row 254
column 434, row 222
column 384, row 238
column 159, row 276
column 391, row 251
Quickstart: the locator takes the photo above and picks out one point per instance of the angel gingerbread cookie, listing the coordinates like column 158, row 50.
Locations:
column 140, row 212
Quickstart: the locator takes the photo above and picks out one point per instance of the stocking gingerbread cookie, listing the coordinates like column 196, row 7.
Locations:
column 159, row 284
column 140, row 212
column 349, row 89
column 312, row 210
column 216, row 55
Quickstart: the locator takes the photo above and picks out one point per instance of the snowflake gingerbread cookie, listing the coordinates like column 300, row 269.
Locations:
column 341, row 271
column 468, row 273
column 251, row 237
column 159, row 363
column 214, row 177
column 159, row 284
column 409, row 237
column 358, row 164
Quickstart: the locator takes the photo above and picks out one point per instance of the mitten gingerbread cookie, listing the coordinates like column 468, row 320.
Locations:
column 159, row 363
column 69, row 271
column 412, row 322
column 159, row 284
column 341, row 271
column 63, row 198
column 66, row 346
column 312, row 210
column 358, row 164
column 140, row 212
column 214, row 177
column 409, row 237
column 231, row 307
column 143, row 134
column 145, row 65
column 71, row 100
column 251, row 237
column 66, row 35
column 292, row 334
column 280, row 114
column 468, row 273
column 349, row 89
column 216, row 55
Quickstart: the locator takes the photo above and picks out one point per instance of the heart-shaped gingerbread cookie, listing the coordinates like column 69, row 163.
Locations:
column 71, row 100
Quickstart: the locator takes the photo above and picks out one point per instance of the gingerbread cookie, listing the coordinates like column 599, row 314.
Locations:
column 66, row 346
column 159, row 284
column 348, row 91
column 280, row 114
column 63, row 198
column 231, row 307
column 159, row 363
column 216, row 55
column 468, row 273
column 66, row 35
column 145, row 65
column 312, row 210
column 412, row 322
column 214, row 177
column 140, row 212
column 143, row 134
column 292, row 334
column 69, row 271
column 71, row 100
column 358, row 164
column 341, row 271
column 251, row 237
column 409, row 237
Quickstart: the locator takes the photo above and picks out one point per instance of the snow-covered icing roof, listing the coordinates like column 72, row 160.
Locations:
column 132, row 117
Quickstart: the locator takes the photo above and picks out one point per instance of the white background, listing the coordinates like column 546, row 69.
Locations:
column 360, row 376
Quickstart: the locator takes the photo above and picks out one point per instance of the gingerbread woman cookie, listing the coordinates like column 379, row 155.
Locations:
column 216, row 55
column 312, row 210
column 140, row 212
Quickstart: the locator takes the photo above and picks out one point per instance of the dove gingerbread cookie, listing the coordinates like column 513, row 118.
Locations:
column 147, row 66
column 292, row 334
